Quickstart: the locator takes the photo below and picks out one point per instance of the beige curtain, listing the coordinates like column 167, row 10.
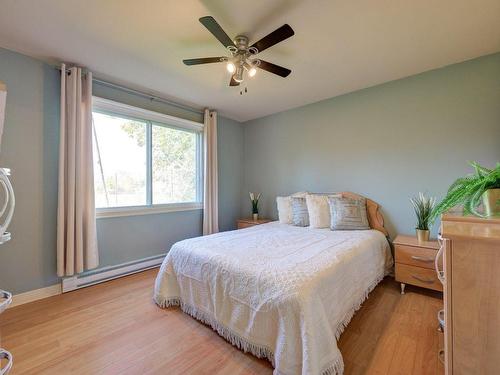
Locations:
column 210, row 186
column 76, row 227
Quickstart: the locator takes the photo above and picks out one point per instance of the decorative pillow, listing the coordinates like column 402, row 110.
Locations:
column 284, row 209
column 348, row 214
column 319, row 209
column 300, row 215
column 300, row 194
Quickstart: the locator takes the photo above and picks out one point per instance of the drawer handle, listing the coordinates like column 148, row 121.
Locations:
column 4, row 354
column 440, row 273
column 428, row 281
column 7, row 300
column 422, row 259
column 441, row 356
column 441, row 320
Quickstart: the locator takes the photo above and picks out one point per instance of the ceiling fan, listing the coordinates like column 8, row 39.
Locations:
column 241, row 57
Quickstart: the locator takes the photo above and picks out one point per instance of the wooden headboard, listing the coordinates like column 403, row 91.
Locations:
column 375, row 218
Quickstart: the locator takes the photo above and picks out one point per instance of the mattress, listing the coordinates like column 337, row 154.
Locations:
column 280, row 292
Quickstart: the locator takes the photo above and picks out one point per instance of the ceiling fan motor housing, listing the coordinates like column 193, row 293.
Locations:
column 241, row 42
column 240, row 52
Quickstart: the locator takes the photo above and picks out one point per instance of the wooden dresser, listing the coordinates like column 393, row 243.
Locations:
column 245, row 223
column 471, row 270
column 415, row 263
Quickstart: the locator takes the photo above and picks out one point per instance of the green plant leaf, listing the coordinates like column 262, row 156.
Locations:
column 468, row 190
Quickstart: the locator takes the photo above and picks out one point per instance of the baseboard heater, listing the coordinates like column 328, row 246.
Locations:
column 109, row 273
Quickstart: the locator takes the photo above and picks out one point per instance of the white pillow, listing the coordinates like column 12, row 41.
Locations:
column 319, row 210
column 285, row 207
column 300, row 194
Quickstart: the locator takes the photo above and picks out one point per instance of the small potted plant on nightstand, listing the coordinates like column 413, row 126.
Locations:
column 423, row 207
column 254, row 197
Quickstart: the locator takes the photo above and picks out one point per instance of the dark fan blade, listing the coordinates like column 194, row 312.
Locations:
column 275, row 37
column 211, row 24
column 203, row 60
column 233, row 82
column 273, row 68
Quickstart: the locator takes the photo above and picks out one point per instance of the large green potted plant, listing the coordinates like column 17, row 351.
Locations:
column 423, row 207
column 483, row 184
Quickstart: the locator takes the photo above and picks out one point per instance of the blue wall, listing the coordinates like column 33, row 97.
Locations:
column 30, row 149
column 386, row 142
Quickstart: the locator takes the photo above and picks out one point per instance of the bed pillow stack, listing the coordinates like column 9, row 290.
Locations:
column 323, row 211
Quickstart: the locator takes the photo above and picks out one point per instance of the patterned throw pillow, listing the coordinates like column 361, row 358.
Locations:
column 319, row 209
column 348, row 214
column 300, row 215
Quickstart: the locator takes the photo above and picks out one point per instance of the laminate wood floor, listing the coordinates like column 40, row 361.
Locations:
column 115, row 328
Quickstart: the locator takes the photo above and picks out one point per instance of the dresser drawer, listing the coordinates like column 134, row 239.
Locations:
column 415, row 256
column 423, row 277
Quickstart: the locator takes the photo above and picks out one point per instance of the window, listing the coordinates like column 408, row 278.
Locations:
column 144, row 161
column 120, row 163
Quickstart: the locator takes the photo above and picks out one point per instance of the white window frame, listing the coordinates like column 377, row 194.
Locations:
column 151, row 118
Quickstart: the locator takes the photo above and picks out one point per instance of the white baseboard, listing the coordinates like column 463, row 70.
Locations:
column 101, row 275
column 34, row 295
column 83, row 280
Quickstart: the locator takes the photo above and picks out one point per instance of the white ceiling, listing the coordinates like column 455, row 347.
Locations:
column 338, row 47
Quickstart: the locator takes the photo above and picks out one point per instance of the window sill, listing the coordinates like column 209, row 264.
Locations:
column 102, row 213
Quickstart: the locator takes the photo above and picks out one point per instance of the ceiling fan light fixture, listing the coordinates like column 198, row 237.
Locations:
column 231, row 68
column 238, row 76
column 250, row 68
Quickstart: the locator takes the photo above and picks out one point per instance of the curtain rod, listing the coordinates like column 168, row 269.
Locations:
column 141, row 93
column 146, row 95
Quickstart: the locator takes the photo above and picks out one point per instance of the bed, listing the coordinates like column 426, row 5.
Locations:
column 280, row 292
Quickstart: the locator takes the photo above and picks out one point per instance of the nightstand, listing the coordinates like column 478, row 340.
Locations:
column 245, row 223
column 415, row 263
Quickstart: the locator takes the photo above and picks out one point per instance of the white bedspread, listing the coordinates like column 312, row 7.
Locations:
column 278, row 291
